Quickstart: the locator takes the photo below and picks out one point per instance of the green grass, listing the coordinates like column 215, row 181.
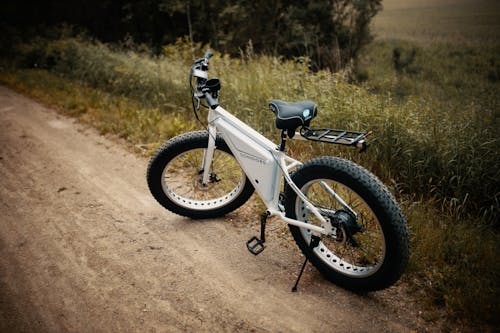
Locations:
column 434, row 142
column 453, row 264
column 144, row 127
column 451, row 96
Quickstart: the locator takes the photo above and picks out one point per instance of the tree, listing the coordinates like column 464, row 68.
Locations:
column 330, row 32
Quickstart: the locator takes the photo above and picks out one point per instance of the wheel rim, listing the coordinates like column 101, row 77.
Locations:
column 355, row 261
column 181, row 180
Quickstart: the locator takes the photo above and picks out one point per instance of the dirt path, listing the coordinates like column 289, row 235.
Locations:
column 85, row 248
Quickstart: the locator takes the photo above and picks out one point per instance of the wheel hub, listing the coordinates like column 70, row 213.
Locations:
column 346, row 226
column 212, row 178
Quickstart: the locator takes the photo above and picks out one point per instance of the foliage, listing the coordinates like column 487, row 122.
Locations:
column 132, row 74
column 330, row 33
column 452, row 264
column 456, row 111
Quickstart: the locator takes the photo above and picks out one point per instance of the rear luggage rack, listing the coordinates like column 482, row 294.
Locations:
column 342, row 137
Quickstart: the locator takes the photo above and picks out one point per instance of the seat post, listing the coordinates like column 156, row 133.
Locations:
column 283, row 140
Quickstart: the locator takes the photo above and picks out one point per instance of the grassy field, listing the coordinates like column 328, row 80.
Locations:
column 435, row 118
column 456, row 64
column 464, row 22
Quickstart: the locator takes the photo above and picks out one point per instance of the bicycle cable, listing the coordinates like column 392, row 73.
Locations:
column 199, row 103
column 193, row 98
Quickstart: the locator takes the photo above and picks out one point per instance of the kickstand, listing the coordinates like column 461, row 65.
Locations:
column 314, row 243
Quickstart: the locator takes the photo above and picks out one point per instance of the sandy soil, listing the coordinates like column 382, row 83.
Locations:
column 85, row 248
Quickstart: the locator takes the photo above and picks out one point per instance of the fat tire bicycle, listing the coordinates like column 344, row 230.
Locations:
column 342, row 217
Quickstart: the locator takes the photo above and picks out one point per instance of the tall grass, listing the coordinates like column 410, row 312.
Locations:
column 127, row 73
column 434, row 125
column 145, row 127
column 452, row 94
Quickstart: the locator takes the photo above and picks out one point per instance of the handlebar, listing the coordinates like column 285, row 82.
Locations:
column 204, row 88
column 203, row 62
column 200, row 67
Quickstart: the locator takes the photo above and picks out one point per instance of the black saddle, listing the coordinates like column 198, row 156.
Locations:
column 289, row 115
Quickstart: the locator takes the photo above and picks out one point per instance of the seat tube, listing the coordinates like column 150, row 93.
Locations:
column 209, row 154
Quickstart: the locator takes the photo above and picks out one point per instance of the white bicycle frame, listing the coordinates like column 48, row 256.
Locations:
column 264, row 165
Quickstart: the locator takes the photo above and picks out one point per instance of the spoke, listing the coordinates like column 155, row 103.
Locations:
column 182, row 173
column 337, row 197
column 181, row 193
column 355, row 205
column 352, row 255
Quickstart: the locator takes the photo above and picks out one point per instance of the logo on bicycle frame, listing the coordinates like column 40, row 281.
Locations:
column 252, row 157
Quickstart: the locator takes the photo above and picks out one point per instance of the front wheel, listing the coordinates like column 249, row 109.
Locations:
column 175, row 177
column 369, row 247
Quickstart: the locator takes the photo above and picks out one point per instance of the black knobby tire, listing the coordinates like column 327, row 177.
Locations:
column 174, row 178
column 382, row 247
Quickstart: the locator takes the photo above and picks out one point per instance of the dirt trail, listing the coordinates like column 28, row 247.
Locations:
column 85, row 248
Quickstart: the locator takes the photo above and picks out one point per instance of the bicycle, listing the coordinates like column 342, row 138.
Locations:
column 343, row 219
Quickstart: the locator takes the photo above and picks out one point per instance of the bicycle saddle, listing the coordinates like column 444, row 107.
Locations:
column 290, row 115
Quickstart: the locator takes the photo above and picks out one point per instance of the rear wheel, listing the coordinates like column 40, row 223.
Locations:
column 368, row 249
column 175, row 178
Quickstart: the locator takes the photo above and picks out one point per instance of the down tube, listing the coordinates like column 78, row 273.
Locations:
column 257, row 161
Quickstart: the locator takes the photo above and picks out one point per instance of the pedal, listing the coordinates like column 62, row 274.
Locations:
column 255, row 245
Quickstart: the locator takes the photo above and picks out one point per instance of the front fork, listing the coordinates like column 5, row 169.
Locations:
column 209, row 154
